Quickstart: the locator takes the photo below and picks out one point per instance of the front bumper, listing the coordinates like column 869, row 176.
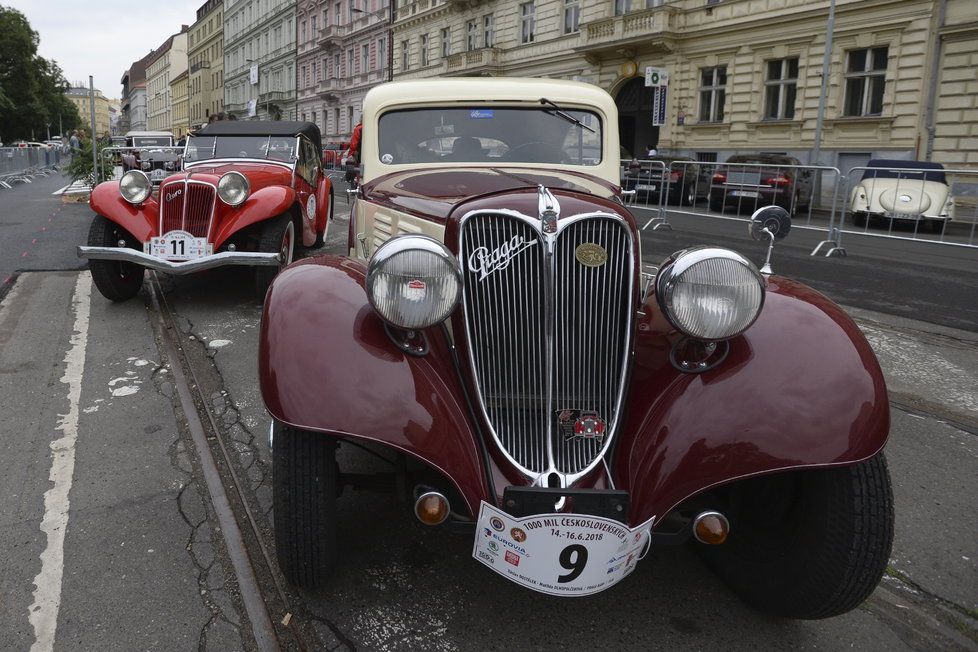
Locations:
column 179, row 267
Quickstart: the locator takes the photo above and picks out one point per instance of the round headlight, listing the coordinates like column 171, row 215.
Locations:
column 233, row 188
column 413, row 282
column 710, row 294
column 135, row 186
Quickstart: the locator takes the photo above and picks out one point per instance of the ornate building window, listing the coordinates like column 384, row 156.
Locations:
column 488, row 31
column 471, row 35
column 528, row 22
column 424, row 50
column 405, row 51
column 865, row 81
column 572, row 16
column 713, row 93
column 781, row 87
column 446, row 42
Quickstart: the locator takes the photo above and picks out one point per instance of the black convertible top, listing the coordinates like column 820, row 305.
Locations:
column 263, row 128
column 884, row 168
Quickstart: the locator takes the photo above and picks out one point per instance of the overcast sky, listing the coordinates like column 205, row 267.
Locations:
column 103, row 37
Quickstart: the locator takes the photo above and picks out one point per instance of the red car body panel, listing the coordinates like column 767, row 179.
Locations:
column 141, row 221
column 411, row 403
column 801, row 388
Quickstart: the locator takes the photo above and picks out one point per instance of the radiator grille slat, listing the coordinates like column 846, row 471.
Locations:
column 187, row 207
column 509, row 313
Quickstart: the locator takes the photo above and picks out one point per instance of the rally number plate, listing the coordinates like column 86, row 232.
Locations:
column 157, row 175
column 179, row 245
column 559, row 554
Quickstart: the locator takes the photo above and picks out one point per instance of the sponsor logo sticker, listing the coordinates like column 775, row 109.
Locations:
column 512, row 558
column 497, row 524
column 519, row 536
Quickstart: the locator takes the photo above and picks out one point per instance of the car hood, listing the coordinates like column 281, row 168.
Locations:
column 259, row 175
column 434, row 194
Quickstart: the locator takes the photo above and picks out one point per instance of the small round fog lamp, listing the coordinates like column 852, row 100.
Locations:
column 431, row 508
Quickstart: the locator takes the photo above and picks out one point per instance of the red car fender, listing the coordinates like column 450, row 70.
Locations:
column 322, row 203
column 800, row 388
column 263, row 204
column 140, row 221
column 325, row 364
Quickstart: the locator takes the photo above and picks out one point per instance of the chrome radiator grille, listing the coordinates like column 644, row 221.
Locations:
column 547, row 334
column 187, row 206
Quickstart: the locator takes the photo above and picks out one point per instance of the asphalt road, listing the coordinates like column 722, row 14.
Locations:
column 143, row 565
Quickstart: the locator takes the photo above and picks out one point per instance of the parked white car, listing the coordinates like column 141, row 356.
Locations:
column 902, row 191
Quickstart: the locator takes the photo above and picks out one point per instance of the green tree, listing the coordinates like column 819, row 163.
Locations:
column 31, row 87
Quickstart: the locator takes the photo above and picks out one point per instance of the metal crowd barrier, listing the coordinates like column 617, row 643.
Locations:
column 22, row 164
column 938, row 206
column 646, row 184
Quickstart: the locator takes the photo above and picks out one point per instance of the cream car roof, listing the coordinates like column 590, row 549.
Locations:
column 489, row 91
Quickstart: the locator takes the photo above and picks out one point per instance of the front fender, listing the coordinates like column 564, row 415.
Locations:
column 327, row 365
column 262, row 204
column 801, row 388
column 140, row 220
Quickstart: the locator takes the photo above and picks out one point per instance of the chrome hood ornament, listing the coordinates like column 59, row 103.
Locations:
column 548, row 208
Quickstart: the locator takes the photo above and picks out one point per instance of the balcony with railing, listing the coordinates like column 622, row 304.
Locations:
column 482, row 60
column 645, row 29
column 328, row 88
column 330, row 35
column 199, row 65
column 275, row 96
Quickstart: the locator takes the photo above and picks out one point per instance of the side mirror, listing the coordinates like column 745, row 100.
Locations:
column 769, row 223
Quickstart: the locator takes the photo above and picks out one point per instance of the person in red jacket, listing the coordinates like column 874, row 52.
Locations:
column 353, row 153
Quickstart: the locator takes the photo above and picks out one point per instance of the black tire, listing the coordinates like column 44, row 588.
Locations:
column 937, row 226
column 716, row 205
column 116, row 280
column 304, row 477
column 277, row 236
column 809, row 544
column 860, row 220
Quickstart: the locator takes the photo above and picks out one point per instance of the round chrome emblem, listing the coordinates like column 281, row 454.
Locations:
column 905, row 198
column 590, row 254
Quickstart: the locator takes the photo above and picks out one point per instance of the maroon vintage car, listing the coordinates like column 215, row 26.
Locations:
column 250, row 192
column 491, row 327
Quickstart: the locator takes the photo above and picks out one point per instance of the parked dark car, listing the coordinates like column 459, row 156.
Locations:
column 746, row 182
column 674, row 175
column 489, row 327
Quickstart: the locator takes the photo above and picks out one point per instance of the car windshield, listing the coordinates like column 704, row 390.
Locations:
column 496, row 135
column 272, row 148
column 159, row 141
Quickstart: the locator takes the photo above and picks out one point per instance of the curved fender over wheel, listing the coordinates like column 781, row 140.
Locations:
column 327, row 365
column 140, row 221
column 263, row 204
column 801, row 388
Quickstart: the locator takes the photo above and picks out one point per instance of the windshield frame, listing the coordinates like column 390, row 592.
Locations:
column 290, row 165
column 595, row 123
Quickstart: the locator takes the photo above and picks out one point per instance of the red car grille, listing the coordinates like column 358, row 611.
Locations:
column 186, row 206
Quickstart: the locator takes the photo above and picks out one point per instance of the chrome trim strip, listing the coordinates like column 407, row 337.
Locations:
column 224, row 161
column 182, row 267
column 470, row 302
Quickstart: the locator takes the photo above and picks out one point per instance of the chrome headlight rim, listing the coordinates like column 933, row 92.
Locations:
column 221, row 188
column 145, row 192
column 408, row 242
column 680, row 262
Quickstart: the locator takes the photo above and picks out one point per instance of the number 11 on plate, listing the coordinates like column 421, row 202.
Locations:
column 559, row 554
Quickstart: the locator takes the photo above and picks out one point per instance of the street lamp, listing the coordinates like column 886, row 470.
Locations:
column 390, row 33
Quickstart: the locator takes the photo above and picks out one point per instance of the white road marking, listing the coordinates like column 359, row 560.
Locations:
column 43, row 613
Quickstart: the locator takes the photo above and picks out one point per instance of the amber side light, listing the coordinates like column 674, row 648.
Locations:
column 431, row 508
column 711, row 528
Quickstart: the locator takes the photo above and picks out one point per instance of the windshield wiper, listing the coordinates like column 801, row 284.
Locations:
column 563, row 114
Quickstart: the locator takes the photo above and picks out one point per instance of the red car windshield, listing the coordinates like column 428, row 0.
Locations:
column 271, row 148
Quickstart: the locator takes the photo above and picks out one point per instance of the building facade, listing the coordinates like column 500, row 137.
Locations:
column 259, row 59
column 344, row 50
column 133, row 115
column 179, row 115
column 79, row 96
column 744, row 75
column 205, row 57
column 169, row 62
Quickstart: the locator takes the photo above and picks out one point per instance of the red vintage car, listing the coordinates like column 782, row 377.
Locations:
column 250, row 192
column 491, row 327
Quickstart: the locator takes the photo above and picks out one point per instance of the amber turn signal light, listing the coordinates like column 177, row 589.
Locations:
column 431, row 508
column 711, row 528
